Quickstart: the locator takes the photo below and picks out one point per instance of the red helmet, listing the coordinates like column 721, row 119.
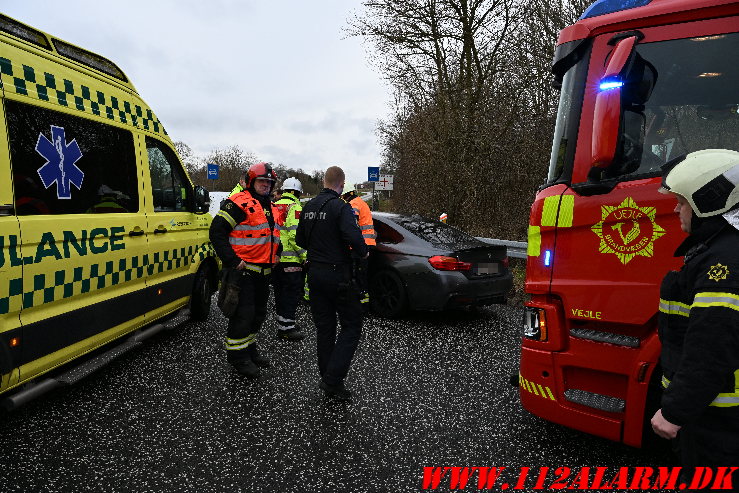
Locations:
column 260, row 170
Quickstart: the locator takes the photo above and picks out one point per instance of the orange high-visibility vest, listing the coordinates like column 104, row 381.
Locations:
column 252, row 240
column 364, row 218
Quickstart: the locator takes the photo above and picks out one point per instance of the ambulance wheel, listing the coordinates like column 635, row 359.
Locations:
column 387, row 294
column 201, row 294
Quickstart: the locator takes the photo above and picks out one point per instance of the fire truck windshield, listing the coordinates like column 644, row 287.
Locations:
column 692, row 105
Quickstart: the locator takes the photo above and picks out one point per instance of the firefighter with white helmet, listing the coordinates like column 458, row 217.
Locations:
column 289, row 273
column 699, row 313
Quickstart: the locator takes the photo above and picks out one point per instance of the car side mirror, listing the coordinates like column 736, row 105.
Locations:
column 607, row 114
column 202, row 200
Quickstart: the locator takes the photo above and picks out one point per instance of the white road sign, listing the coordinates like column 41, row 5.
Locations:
column 385, row 183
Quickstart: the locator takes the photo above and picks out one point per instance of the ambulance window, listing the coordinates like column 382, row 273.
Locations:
column 170, row 187
column 63, row 164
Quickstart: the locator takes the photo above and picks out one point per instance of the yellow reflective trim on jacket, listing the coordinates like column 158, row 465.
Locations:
column 712, row 299
column 724, row 399
column 534, row 244
column 674, row 308
column 225, row 215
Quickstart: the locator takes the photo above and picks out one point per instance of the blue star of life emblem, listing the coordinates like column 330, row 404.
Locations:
column 60, row 164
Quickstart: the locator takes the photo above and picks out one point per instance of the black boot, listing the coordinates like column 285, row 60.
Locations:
column 258, row 359
column 294, row 334
column 337, row 392
column 246, row 368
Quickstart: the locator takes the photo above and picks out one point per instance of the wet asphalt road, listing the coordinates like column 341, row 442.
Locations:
column 429, row 390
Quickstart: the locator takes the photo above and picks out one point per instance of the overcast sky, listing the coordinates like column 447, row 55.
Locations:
column 278, row 78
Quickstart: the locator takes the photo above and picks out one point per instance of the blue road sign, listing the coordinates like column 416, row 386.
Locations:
column 374, row 173
column 212, row 171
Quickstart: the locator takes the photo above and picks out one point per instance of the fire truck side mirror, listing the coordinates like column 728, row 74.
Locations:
column 607, row 114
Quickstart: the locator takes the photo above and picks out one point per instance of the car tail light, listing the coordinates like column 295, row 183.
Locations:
column 440, row 262
column 506, row 262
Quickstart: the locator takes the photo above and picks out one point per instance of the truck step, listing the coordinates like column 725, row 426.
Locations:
column 177, row 320
column 78, row 373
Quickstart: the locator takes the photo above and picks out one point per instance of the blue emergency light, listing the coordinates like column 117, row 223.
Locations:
column 606, row 85
column 547, row 258
column 603, row 7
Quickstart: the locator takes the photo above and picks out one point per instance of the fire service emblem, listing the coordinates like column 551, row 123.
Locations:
column 627, row 230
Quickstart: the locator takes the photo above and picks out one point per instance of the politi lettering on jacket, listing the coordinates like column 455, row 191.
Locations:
column 94, row 241
column 579, row 312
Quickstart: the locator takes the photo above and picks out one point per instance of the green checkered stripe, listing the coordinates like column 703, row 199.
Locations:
column 27, row 81
column 64, row 284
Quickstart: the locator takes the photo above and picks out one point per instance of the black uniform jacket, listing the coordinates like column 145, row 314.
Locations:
column 220, row 228
column 699, row 327
column 328, row 228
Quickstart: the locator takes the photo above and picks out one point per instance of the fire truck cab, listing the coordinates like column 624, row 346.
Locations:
column 641, row 82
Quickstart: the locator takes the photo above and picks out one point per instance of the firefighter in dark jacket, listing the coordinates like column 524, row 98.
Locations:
column 328, row 230
column 699, row 313
column 246, row 237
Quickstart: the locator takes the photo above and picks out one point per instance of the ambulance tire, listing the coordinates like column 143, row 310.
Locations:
column 387, row 294
column 201, row 294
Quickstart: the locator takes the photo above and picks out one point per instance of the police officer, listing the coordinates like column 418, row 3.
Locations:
column 328, row 230
column 288, row 275
column 367, row 226
column 245, row 236
column 699, row 313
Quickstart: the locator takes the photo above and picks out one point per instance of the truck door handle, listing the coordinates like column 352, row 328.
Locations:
column 160, row 230
column 136, row 232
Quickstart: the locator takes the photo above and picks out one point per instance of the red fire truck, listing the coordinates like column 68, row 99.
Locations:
column 642, row 82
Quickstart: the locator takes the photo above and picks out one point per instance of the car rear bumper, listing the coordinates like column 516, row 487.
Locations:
column 452, row 289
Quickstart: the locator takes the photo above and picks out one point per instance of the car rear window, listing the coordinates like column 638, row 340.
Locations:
column 437, row 233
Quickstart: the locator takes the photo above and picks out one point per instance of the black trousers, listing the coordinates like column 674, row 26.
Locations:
column 328, row 298
column 244, row 325
column 708, row 442
column 288, row 282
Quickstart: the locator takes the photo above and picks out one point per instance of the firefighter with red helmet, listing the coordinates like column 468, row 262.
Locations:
column 245, row 235
column 699, row 313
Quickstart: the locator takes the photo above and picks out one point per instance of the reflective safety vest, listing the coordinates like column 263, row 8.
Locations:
column 290, row 209
column 237, row 189
column 253, row 241
column 364, row 218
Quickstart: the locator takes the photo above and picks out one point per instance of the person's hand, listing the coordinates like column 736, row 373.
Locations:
column 241, row 266
column 662, row 427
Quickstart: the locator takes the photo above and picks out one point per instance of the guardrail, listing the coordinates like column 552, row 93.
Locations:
column 516, row 249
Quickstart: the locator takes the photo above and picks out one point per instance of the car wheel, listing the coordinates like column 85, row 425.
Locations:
column 201, row 294
column 387, row 294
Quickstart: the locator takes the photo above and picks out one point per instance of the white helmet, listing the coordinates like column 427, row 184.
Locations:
column 292, row 184
column 708, row 179
column 348, row 189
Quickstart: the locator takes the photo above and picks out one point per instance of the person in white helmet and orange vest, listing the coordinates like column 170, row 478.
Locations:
column 289, row 275
column 245, row 235
column 699, row 314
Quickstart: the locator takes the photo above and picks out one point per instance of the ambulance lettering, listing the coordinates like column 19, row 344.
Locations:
column 97, row 240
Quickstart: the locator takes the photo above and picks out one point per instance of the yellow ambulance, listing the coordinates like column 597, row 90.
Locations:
column 103, row 238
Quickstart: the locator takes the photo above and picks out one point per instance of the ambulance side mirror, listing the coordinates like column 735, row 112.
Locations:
column 202, row 200
column 607, row 114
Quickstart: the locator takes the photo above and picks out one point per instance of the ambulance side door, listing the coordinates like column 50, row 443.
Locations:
column 177, row 238
column 79, row 204
column 11, row 268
